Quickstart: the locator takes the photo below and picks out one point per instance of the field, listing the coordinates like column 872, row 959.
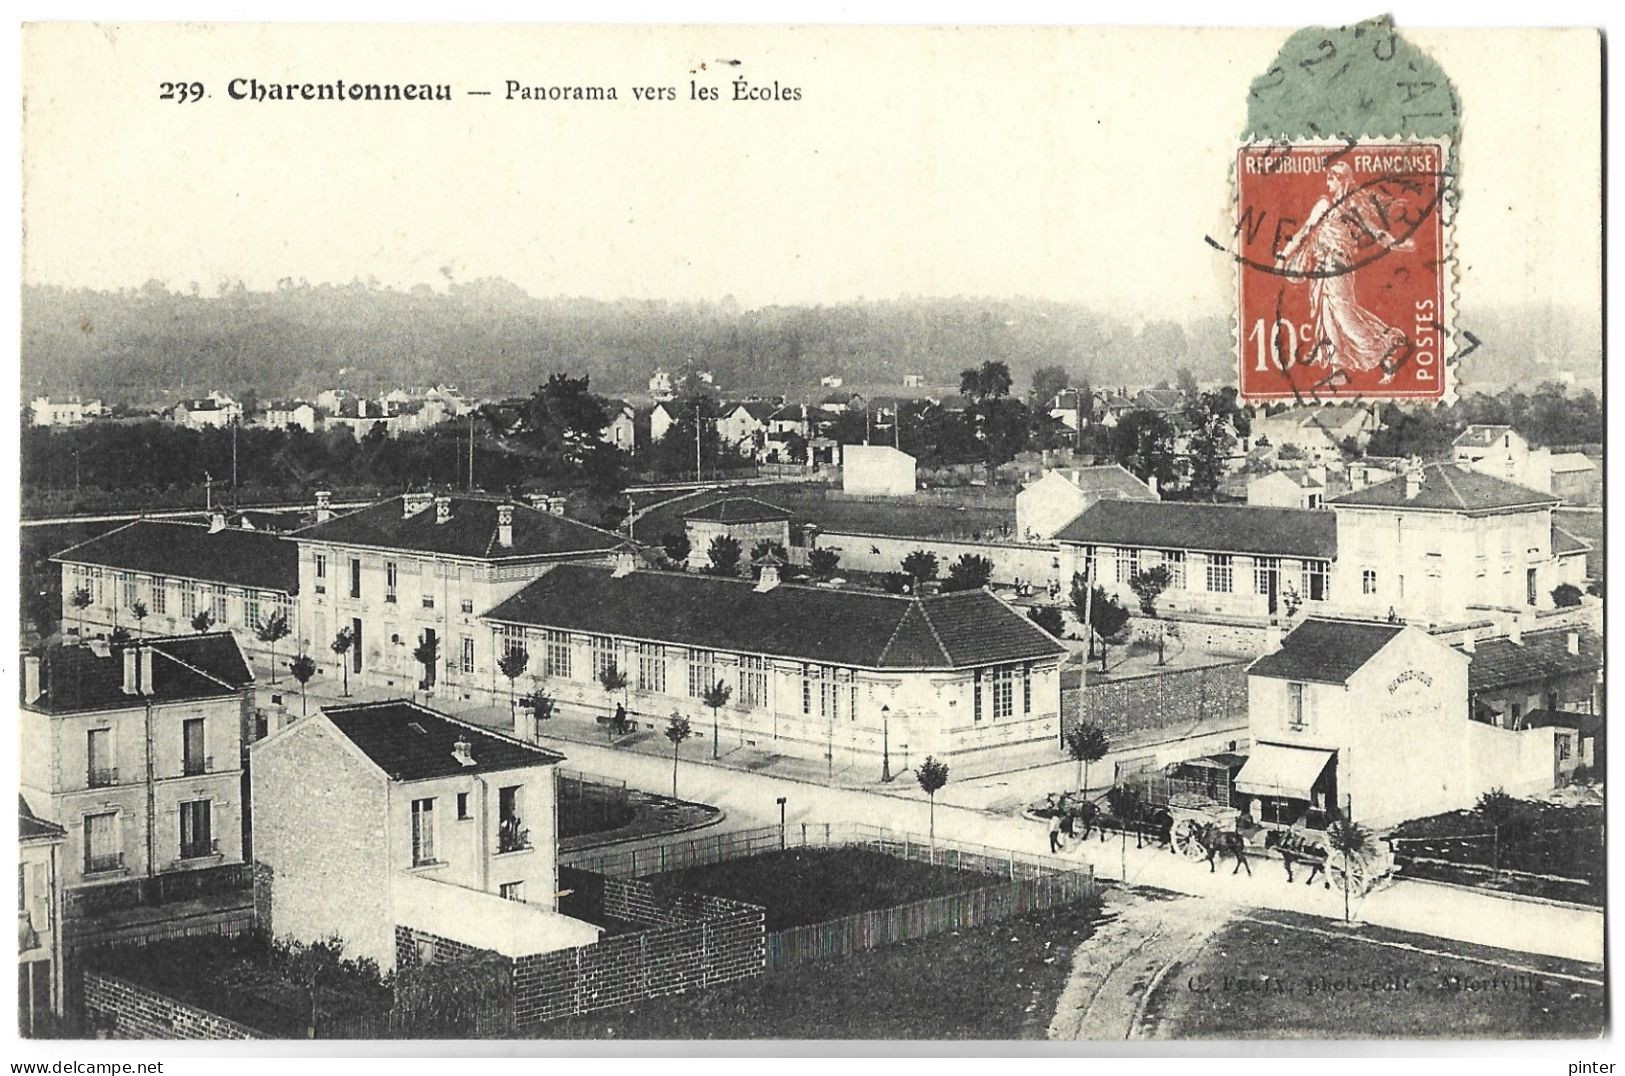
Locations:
column 1565, row 845
column 1281, row 975
column 993, row 982
column 814, row 885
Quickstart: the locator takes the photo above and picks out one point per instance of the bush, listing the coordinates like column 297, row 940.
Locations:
column 1566, row 596
column 895, row 583
column 1049, row 618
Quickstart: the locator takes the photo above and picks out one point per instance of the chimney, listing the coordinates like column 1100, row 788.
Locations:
column 538, row 501
column 462, row 752
column 505, row 526
column 1075, row 476
column 31, row 680
column 1469, row 642
column 217, row 521
column 555, row 505
column 1574, row 642
column 769, row 577
column 413, row 503
column 1272, row 637
column 626, row 562
column 324, row 505
column 1151, row 480
column 1413, row 479
column 1515, row 630
column 929, row 587
column 132, row 670
column 146, row 670
column 442, row 510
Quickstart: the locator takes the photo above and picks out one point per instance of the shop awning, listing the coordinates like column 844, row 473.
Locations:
column 1274, row 770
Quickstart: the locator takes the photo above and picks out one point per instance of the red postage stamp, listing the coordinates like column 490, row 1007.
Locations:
column 1343, row 270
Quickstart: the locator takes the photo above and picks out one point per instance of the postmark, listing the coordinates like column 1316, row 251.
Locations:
column 1343, row 275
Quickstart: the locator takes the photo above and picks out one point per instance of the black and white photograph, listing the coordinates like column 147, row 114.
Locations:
column 788, row 536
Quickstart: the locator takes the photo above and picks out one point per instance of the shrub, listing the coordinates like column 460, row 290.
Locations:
column 1566, row 595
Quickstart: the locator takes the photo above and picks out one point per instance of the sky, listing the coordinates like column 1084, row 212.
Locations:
column 1076, row 165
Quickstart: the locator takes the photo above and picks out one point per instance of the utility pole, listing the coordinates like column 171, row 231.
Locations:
column 234, row 454
column 471, row 452
column 208, row 492
column 696, row 440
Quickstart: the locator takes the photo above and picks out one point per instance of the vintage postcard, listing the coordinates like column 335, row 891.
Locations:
column 551, row 533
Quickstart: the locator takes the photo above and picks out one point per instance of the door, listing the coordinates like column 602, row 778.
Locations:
column 430, row 667
column 355, row 644
column 1529, row 587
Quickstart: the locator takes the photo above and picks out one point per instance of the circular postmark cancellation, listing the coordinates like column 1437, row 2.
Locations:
column 1343, row 273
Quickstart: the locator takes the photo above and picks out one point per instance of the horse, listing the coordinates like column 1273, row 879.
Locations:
column 1296, row 849
column 1218, row 842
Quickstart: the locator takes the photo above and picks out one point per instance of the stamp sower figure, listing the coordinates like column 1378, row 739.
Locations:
column 1325, row 251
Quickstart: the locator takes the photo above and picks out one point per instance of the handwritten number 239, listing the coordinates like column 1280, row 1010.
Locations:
column 180, row 92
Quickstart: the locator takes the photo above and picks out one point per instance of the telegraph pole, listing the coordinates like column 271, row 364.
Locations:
column 471, row 452
column 696, row 440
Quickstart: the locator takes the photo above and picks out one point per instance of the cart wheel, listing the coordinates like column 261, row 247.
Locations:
column 1354, row 879
column 1185, row 842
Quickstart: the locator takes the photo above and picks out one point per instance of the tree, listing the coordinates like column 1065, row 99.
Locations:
column 1103, row 615
column 80, row 600
column 999, row 423
column 203, row 621
column 1212, row 437
column 272, row 630
column 677, row 546
column 1048, row 383
column 969, row 572
column 1508, row 819
column 1186, row 383
column 1148, row 586
column 342, row 642
column 139, row 611
column 895, row 583
column 1351, row 841
column 303, row 668
column 932, row 775
column 768, row 547
column 716, row 696
column 1566, row 595
column 1143, row 442
column 921, row 566
column 823, row 561
column 541, row 707
column 427, row 654
column 724, row 555
column 612, row 678
column 1049, row 618
column 119, row 636
column 1086, row 743
column 988, row 381
column 677, row 730
column 512, row 665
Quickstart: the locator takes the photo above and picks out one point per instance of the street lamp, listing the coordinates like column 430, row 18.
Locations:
column 885, row 744
column 781, row 822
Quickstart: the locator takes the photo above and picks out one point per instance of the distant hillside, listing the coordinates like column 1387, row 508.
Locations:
column 491, row 338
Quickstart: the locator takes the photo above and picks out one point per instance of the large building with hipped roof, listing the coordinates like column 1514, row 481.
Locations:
column 844, row 678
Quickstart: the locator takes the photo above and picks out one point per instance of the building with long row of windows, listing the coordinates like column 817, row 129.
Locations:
column 850, row 678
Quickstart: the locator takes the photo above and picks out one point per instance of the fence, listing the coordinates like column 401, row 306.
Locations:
column 1019, row 883
column 591, row 804
column 160, row 889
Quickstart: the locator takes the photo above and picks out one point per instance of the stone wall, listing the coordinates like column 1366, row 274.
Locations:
column 133, row 1012
column 1182, row 697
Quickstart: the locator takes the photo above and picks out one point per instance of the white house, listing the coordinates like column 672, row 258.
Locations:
column 64, row 410
column 662, row 416
column 1441, row 542
column 281, row 414
column 1316, row 433
column 1289, row 488
column 744, row 425
column 390, row 815
column 1372, row 720
column 879, row 469
column 619, row 430
column 1049, row 503
column 660, row 386
column 214, row 411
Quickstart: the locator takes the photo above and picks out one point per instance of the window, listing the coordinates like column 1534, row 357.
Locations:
column 391, row 576
column 1219, row 573
column 1128, row 563
column 127, row 581
column 652, row 667
column 603, row 654
column 752, row 681
column 102, row 852
column 513, row 891
column 819, row 692
column 99, row 768
column 428, row 601
column 468, row 654
column 701, row 670
column 355, row 577
column 468, row 605
column 1314, row 580
column 1027, row 688
column 160, row 595
column 976, row 692
column 251, row 608
column 422, row 832
column 513, row 638
column 1003, row 692
column 1175, row 560
column 512, row 836
column 1368, row 581
column 462, row 807
column 193, row 758
column 219, row 609
column 1266, row 570
column 556, row 654
column 1294, row 708
column 197, row 838
column 188, row 601
column 321, row 565
column 1564, row 748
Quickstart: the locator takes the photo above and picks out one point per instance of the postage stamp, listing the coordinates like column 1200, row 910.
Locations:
column 1343, row 274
